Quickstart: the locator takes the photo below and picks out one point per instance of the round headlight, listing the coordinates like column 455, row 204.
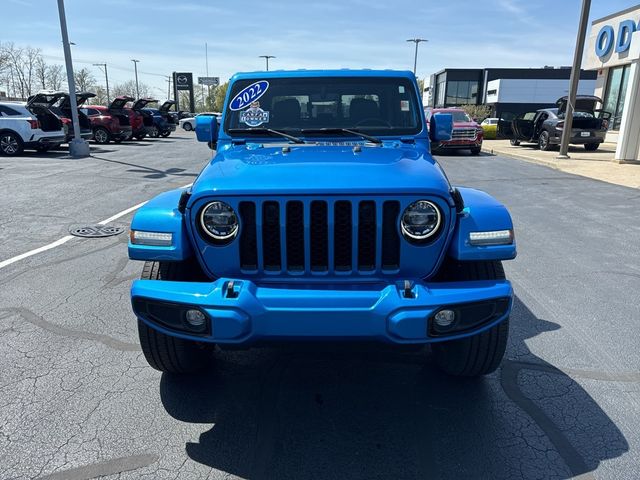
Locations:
column 420, row 220
column 219, row 221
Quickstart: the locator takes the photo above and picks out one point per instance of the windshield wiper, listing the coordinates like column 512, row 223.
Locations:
column 266, row 130
column 371, row 138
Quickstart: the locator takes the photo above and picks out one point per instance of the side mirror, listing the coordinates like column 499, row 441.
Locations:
column 207, row 130
column 441, row 127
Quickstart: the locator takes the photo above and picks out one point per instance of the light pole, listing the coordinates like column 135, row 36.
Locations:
column 415, row 58
column 135, row 66
column 106, row 76
column 78, row 147
column 267, row 57
column 575, row 77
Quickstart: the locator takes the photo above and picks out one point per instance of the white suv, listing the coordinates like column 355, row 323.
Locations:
column 30, row 125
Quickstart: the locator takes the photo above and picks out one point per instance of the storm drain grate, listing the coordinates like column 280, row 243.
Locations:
column 96, row 231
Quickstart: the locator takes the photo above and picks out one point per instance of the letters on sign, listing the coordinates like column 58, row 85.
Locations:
column 607, row 40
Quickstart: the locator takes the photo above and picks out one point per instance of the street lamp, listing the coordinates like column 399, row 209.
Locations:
column 267, row 57
column 574, row 79
column 135, row 66
column 78, row 147
column 415, row 58
column 106, row 76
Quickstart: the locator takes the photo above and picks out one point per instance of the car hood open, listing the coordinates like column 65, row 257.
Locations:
column 45, row 98
column 584, row 103
column 333, row 168
column 119, row 103
column 164, row 108
column 81, row 98
column 143, row 102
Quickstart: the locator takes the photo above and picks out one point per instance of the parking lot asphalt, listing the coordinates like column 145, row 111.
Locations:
column 78, row 400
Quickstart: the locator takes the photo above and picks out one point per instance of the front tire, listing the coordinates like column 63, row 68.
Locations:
column 164, row 352
column 543, row 141
column 11, row 144
column 482, row 353
column 476, row 150
column 187, row 126
column 101, row 135
column 591, row 147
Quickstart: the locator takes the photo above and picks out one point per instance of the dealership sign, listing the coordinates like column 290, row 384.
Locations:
column 608, row 41
column 210, row 81
column 611, row 40
column 183, row 80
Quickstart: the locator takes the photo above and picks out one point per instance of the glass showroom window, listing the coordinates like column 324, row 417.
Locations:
column 462, row 93
column 616, row 91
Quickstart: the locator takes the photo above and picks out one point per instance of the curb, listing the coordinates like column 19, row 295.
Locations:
column 526, row 158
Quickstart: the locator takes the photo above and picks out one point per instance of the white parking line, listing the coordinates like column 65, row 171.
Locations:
column 66, row 238
column 30, row 253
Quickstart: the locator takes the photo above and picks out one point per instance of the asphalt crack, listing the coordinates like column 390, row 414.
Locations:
column 34, row 319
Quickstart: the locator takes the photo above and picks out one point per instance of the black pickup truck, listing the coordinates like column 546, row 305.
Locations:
column 545, row 126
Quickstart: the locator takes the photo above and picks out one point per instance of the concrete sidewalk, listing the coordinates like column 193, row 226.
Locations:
column 599, row 164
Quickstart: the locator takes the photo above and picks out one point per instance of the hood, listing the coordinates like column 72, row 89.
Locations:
column 465, row 124
column 119, row 103
column 141, row 103
column 584, row 103
column 81, row 98
column 332, row 169
column 164, row 108
column 45, row 98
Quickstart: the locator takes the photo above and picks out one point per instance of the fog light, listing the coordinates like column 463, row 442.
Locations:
column 445, row 318
column 195, row 318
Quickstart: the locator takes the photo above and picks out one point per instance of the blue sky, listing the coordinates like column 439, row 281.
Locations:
column 168, row 35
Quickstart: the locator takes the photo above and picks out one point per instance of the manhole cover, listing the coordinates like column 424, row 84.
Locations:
column 96, row 231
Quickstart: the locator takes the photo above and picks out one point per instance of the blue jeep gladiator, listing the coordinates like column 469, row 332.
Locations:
column 323, row 217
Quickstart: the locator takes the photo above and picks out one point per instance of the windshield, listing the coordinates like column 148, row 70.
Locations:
column 460, row 116
column 378, row 106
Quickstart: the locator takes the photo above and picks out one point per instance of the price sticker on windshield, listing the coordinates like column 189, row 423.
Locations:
column 249, row 94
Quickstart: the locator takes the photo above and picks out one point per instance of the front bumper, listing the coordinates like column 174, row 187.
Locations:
column 250, row 313
column 461, row 143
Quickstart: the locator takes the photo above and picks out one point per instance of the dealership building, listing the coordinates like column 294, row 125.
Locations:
column 507, row 91
column 613, row 52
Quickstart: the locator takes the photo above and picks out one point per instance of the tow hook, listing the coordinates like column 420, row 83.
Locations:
column 407, row 291
column 232, row 290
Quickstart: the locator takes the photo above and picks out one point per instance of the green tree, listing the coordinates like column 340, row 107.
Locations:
column 216, row 99
column 477, row 112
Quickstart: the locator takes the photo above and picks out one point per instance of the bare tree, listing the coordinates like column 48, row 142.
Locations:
column 101, row 96
column 128, row 88
column 22, row 68
column 41, row 73
column 55, row 77
column 84, row 80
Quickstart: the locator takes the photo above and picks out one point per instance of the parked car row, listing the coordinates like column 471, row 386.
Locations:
column 44, row 121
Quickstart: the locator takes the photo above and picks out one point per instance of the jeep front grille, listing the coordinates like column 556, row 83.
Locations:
column 319, row 236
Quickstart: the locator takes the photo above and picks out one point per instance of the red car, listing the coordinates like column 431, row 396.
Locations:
column 106, row 125
column 467, row 134
column 136, row 121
